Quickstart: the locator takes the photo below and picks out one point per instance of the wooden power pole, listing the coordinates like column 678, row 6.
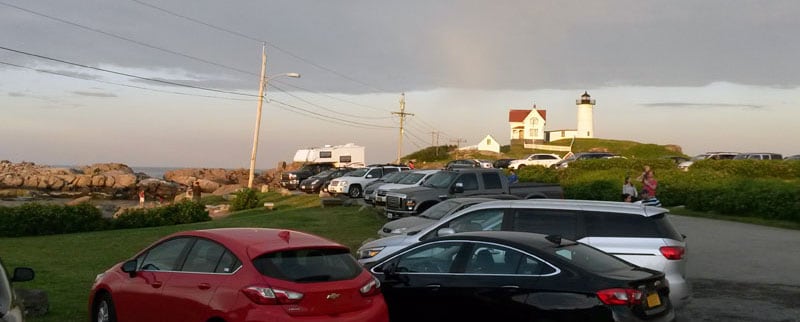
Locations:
column 402, row 115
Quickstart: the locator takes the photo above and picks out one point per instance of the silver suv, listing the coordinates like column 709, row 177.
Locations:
column 642, row 235
column 353, row 182
column 11, row 308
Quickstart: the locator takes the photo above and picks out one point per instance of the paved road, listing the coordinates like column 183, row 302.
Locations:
column 741, row 272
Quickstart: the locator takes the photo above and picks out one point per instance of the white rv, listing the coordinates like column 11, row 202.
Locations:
column 347, row 155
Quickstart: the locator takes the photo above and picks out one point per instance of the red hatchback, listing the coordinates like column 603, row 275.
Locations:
column 238, row 274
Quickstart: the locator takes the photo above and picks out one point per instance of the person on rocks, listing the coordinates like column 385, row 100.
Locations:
column 141, row 198
column 197, row 191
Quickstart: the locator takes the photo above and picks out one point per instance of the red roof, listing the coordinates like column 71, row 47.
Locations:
column 520, row 115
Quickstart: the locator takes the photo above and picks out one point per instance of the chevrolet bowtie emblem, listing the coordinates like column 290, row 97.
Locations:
column 333, row 296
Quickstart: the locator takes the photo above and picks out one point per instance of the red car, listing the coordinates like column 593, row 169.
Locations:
column 238, row 274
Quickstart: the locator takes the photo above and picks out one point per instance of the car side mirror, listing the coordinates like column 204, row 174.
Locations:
column 22, row 274
column 130, row 267
column 458, row 187
column 445, row 231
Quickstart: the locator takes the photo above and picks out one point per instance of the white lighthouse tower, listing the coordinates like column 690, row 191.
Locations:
column 585, row 112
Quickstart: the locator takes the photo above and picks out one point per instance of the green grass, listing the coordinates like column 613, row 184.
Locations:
column 66, row 265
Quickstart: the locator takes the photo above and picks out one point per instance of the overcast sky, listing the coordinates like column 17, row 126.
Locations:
column 77, row 75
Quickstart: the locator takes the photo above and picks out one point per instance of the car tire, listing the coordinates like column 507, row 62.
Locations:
column 519, row 167
column 104, row 310
column 354, row 192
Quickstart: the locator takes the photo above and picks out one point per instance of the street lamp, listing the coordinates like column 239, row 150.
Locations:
column 261, row 90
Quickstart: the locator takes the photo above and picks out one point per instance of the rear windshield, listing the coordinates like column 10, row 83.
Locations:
column 588, row 258
column 309, row 265
column 608, row 224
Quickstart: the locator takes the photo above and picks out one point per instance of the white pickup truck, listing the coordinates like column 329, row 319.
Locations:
column 540, row 159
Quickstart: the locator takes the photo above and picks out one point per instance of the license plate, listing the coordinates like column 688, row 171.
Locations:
column 653, row 300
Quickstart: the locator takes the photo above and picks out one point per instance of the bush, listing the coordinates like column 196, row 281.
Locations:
column 184, row 212
column 244, row 199
column 34, row 219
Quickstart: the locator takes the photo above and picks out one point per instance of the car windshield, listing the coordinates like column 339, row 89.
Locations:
column 357, row 173
column 700, row 157
column 440, row 210
column 441, row 180
column 323, row 174
column 394, row 177
column 412, row 178
column 588, row 258
column 309, row 265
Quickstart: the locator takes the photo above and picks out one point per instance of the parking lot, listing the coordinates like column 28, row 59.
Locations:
column 741, row 272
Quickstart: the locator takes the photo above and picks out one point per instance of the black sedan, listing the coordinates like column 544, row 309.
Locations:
column 320, row 181
column 513, row 276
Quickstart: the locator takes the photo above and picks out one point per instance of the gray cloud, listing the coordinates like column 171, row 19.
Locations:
column 701, row 105
column 94, row 94
column 16, row 94
column 413, row 45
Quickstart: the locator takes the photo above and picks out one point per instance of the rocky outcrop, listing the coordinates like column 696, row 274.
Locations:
column 113, row 178
column 211, row 179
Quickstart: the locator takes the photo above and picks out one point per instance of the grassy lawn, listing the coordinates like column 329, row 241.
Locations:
column 66, row 265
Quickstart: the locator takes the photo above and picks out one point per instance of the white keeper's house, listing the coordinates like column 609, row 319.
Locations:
column 530, row 125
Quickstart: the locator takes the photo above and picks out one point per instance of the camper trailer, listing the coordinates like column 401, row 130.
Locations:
column 316, row 160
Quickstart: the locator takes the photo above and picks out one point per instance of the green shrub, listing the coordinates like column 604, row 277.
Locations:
column 538, row 174
column 244, row 199
column 34, row 219
column 174, row 214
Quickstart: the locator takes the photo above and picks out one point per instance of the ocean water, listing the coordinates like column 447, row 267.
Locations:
column 154, row 172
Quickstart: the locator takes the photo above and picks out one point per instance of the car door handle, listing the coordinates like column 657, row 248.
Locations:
column 204, row 286
column 156, row 284
column 433, row 286
column 510, row 287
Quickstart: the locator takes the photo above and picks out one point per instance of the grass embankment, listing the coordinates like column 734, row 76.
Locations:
column 66, row 265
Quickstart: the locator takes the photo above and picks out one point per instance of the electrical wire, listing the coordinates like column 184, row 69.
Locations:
column 140, row 43
column 326, row 108
column 328, row 118
column 120, row 84
column 126, row 74
column 256, row 39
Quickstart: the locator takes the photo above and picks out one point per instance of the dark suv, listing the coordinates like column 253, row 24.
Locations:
column 319, row 182
column 583, row 156
column 291, row 180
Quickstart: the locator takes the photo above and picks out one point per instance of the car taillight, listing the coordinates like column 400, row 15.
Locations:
column 373, row 287
column 271, row 296
column 672, row 252
column 620, row 296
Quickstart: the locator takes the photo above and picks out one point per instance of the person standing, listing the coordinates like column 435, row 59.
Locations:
column 141, row 198
column 411, row 164
column 629, row 189
column 197, row 191
column 512, row 177
column 649, row 185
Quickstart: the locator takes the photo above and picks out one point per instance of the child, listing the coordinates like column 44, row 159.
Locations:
column 629, row 189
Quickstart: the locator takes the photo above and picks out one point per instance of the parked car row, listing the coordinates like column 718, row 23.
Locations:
column 635, row 233
column 259, row 274
column 730, row 156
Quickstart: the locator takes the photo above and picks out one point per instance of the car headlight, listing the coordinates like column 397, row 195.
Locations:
column 99, row 276
column 369, row 252
column 292, row 176
column 399, row 231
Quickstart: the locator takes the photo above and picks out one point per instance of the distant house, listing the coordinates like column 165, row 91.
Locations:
column 487, row 144
column 528, row 125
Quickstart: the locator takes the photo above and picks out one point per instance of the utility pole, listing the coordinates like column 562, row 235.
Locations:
column 402, row 115
column 261, row 87
column 436, row 141
column 458, row 144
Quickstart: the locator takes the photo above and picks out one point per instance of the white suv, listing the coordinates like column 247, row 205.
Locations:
column 353, row 183
column 540, row 159
column 642, row 235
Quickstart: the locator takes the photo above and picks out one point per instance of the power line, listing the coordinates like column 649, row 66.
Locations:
column 330, row 96
column 140, row 43
column 120, row 84
column 325, row 108
column 126, row 74
column 331, row 117
column 256, row 39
